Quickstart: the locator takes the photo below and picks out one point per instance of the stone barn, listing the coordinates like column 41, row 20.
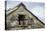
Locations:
column 20, row 17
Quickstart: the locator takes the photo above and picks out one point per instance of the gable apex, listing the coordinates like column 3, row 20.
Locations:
column 21, row 4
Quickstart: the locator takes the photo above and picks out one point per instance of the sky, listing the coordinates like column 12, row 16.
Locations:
column 37, row 8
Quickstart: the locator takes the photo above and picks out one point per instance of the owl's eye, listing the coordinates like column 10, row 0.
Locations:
column 32, row 19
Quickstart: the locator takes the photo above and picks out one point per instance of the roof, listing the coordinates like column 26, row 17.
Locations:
column 15, row 8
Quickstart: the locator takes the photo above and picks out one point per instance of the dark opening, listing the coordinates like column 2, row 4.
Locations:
column 21, row 18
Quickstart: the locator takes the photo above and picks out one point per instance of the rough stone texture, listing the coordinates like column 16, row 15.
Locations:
column 31, row 22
